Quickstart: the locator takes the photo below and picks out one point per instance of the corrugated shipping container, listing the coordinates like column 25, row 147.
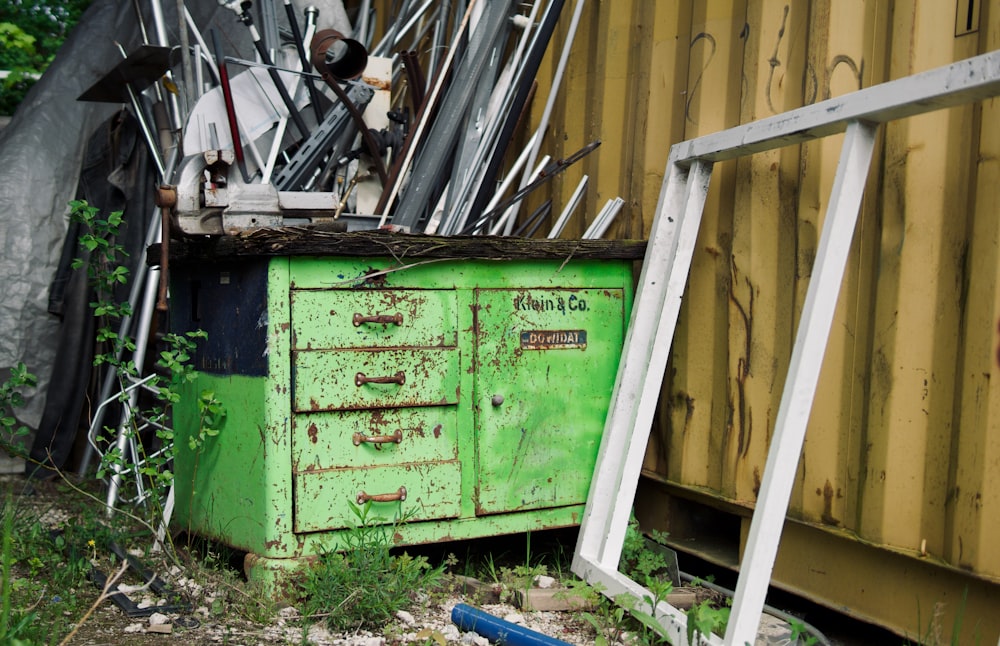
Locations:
column 897, row 503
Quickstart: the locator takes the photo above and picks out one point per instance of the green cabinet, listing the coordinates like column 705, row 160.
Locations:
column 467, row 395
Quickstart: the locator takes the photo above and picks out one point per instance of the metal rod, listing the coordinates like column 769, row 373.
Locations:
column 304, row 59
column 147, row 131
column 564, row 217
column 227, row 95
column 511, row 211
column 201, row 43
column 393, row 189
column 554, row 169
column 535, row 220
column 530, row 69
column 543, row 123
column 258, row 44
column 177, row 116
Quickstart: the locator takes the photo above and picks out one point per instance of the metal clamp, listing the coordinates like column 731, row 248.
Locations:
column 382, row 497
column 384, row 319
column 377, row 440
column 360, row 379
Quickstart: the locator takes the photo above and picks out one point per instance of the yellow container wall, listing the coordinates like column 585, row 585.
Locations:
column 901, row 445
column 902, row 454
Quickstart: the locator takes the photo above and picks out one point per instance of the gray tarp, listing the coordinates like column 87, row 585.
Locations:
column 40, row 155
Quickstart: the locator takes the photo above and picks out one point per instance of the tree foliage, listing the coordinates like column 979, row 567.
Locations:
column 31, row 31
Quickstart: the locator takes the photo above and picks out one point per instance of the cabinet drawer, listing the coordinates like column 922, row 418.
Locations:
column 373, row 318
column 343, row 379
column 433, row 490
column 374, row 438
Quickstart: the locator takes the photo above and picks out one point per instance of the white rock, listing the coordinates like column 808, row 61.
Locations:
column 515, row 618
column 157, row 619
column 145, row 603
column 202, row 610
column 451, row 633
column 318, row 634
column 475, row 639
column 174, row 570
column 288, row 612
column 544, row 582
column 406, row 618
column 133, row 628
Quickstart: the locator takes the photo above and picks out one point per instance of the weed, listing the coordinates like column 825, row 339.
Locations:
column 705, row 618
column 148, row 435
column 365, row 584
column 800, row 634
column 11, row 432
column 608, row 619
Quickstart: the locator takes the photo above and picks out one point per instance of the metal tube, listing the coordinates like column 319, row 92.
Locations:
column 574, row 201
column 543, row 123
column 512, row 210
column 227, row 95
column 422, row 124
column 147, row 131
column 530, row 69
column 201, row 43
column 176, row 115
column 139, row 359
column 186, row 66
column 304, row 59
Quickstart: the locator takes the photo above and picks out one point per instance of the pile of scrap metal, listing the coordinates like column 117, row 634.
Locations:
column 380, row 134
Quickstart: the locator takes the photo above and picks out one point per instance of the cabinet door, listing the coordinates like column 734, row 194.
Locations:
column 546, row 361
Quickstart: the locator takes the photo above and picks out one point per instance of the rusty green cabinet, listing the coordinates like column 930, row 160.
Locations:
column 467, row 395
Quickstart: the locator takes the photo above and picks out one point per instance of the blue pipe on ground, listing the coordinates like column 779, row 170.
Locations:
column 497, row 630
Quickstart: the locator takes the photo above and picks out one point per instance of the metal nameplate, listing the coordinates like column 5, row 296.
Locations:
column 553, row 339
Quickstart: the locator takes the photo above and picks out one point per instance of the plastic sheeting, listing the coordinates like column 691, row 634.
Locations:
column 40, row 156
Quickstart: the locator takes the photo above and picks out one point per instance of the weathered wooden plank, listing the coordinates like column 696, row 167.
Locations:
column 302, row 241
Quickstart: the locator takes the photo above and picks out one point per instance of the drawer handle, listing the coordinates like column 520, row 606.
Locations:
column 384, row 319
column 382, row 497
column 378, row 440
column 361, row 379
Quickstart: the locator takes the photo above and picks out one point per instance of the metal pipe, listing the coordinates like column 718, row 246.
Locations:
column 227, row 95
column 186, row 59
column 201, row 43
column 177, row 116
column 539, row 170
column 303, row 59
column 245, row 17
column 147, row 131
column 543, row 123
column 574, row 201
column 529, row 70
column 393, row 189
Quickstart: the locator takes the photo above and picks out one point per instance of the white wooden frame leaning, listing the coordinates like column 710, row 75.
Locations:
column 658, row 300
